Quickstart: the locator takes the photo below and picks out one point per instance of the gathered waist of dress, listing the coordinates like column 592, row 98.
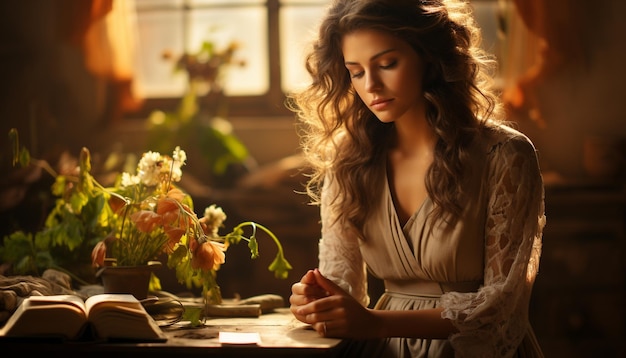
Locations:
column 430, row 288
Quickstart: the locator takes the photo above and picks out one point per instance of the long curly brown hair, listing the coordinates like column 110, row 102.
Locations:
column 342, row 137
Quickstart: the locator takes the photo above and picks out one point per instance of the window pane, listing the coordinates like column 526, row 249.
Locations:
column 224, row 2
column 305, row 2
column 298, row 24
column 165, row 26
column 158, row 31
column 247, row 26
column 157, row 4
column 486, row 14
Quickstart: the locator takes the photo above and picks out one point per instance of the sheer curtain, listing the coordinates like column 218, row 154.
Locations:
column 105, row 30
column 540, row 36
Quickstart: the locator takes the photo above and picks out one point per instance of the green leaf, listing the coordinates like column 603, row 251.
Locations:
column 94, row 210
column 74, row 238
column 58, row 188
column 155, row 283
column 178, row 256
column 280, row 267
column 253, row 245
column 44, row 260
column 210, row 289
column 22, row 252
column 234, row 237
column 17, row 245
column 207, row 47
column 193, row 315
column 77, row 201
column 236, row 148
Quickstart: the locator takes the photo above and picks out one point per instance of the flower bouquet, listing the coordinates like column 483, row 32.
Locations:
column 151, row 216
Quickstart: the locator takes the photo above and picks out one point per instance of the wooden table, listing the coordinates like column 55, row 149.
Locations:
column 280, row 335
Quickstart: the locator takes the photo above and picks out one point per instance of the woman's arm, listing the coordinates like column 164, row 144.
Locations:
column 340, row 260
column 340, row 257
column 493, row 321
column 340, row 315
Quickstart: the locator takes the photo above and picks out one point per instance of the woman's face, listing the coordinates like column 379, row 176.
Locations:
column 386, row 73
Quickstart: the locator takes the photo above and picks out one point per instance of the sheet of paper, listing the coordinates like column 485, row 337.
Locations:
column 239, row 338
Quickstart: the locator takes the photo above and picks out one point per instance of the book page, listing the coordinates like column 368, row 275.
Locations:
column 111, row 299
column 41, row 319
column 55, row 299
column 112, row 316
column 121, row 316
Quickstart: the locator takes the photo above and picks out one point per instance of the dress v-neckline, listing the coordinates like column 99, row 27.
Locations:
column 404, row 225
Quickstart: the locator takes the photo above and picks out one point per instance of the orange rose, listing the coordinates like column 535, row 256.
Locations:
column 207, row 256
column 176, row 194
column 170, row 210
column 174, row 234
column 146, row 220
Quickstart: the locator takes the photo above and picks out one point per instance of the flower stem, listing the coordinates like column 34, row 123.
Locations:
column 267, row 231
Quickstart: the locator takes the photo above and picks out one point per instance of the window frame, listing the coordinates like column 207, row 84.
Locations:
column 269, row 104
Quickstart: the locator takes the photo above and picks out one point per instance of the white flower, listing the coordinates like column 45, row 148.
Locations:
column 214, row 216
column 179, row 157
column 149, row 168
column 129, row 180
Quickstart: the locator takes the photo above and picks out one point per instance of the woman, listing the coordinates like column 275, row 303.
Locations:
column 420, row 184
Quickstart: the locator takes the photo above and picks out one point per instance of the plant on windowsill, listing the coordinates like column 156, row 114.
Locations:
column 200, row 119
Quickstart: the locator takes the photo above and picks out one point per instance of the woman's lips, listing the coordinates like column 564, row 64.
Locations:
column 380, row 104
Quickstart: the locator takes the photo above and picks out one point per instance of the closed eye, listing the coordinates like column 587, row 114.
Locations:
column 357, row 75
column 389, row 66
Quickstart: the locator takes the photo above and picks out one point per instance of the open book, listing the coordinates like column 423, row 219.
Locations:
column 102, row 316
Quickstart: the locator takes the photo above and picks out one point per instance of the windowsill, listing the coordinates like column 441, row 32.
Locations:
column 267, row 138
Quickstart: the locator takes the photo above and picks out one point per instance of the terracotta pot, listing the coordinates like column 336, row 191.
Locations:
column 128, row 279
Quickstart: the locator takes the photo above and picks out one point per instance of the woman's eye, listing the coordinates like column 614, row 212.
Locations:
column 356, row 75
column 392, row 64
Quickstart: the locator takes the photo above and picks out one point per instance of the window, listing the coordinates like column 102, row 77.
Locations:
column 489, row 16
column 271, row 35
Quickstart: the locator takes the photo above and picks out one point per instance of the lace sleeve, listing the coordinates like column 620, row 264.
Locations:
column 493, row 321
column 340, row 257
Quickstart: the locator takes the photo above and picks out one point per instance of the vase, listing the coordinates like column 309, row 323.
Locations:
column 134, row 280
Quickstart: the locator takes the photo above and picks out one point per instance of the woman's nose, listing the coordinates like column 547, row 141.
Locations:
column 372, row 82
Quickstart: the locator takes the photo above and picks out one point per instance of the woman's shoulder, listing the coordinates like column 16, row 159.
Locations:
column 503, row 139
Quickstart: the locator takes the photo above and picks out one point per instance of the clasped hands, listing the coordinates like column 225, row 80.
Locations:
column 330, row 310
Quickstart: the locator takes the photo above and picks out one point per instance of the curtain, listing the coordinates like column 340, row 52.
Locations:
column 105, row 31
column 541, row 36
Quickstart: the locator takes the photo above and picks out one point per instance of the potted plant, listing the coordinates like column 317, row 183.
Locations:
column 75, row 221
column 144, row 215
column 154, row 216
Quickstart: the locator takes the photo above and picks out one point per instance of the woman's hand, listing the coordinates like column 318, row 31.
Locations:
column 304, row 292
column 330, row 310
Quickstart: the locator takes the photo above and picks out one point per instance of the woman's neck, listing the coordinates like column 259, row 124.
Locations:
column 414, row 137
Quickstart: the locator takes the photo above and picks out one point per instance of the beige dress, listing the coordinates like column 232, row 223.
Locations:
column 462, row 267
